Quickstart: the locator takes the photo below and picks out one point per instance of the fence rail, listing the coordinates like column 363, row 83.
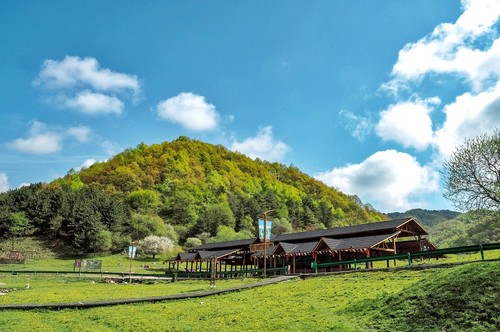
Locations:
column 410, row 256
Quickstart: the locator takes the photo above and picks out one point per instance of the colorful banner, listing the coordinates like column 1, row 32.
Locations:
column 269, row 225
column 132, row 251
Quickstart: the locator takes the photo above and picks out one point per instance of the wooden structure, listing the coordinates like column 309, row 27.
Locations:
column 295, row 252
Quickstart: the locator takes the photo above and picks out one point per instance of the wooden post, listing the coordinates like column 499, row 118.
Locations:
column 394, row 248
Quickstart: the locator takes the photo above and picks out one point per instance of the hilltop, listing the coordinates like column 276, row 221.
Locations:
column 185, row 190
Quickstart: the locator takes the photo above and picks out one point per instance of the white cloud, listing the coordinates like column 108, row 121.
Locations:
column 81, row 133
column 408, row 123
column 44, row 140
column 190, row 111
column 359, row 126
column 82, row 85
column 40, row 141
column 453, row 48
column 86, row 164
column 262, row 146
column 390, row 180
column 468, row 116
column 93, row 103
column 4, row 182
column 74, row 71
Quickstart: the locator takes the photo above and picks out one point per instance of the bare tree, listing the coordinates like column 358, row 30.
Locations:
column 472, row 174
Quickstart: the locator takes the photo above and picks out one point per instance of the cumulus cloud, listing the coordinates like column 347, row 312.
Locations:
column 359, row 126
column 41, row 140
column 74, row 71
column 452, row 48
column 408, row 123
column 189, row 110
column 391, row 180
column 93, row 103
column 86, row 164
column 468, row 116
column 4, row 182
column 82, row 85
column 262, row 146
column 44, row 140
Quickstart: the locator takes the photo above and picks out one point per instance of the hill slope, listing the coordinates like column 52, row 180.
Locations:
column 180, row 189
column 426, row 217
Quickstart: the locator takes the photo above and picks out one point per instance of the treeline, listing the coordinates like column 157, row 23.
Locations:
column 471, row 228
column 187, row 190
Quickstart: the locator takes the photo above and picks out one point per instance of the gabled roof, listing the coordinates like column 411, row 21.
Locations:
column 203, row 255
column 226, row 245
column 185, row 256
column 364, row 242
column 306, row 247
column 382, row 227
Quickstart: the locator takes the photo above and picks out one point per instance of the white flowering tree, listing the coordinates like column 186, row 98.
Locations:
column 153, row 245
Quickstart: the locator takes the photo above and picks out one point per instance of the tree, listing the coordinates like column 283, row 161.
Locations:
column 192, row 242
column 472, row 173
column 153, row 245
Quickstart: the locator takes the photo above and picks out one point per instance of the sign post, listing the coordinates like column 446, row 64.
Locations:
column 265, row 235
column 131, row 254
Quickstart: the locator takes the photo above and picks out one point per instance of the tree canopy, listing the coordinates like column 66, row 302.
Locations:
column 472, row 173
column 182, row 189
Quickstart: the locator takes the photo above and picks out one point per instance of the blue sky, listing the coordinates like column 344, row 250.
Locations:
column 367, row 96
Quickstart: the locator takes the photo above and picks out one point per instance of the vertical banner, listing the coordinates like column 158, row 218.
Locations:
column 131, row 251
column 269, row 225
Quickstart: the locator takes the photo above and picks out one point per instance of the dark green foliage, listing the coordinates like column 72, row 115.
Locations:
column 460, row 299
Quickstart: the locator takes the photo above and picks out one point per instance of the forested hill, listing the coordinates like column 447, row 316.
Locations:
column 426, row 217
column 185, row 189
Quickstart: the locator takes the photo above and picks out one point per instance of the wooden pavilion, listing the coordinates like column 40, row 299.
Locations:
column 295, row 252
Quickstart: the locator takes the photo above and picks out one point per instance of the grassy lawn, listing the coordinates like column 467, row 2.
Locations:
column 363, row 301
column 49, row 289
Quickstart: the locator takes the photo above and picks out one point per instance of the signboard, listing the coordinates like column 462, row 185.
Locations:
column 132, row 250
column 260, row 246
column 269, row 226
column 83, row 264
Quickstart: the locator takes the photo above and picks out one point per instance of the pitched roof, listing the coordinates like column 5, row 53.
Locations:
column 382, row 227
column 215, row 254
column 228, row 244
column 363, row 242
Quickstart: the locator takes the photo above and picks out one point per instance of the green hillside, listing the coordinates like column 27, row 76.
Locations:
column 426, row 217
column 186, row 190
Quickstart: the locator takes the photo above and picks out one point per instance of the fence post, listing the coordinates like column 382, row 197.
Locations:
column 355, row 265
column 482, row 251
column 409, row 259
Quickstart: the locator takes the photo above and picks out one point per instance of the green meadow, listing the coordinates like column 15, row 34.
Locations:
column 463, row 297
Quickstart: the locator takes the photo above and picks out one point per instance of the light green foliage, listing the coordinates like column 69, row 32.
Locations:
column 190, row 185
column 192, row 242
column 226, row 233
column 467, row 229
column 144, row 200
column 142, row 225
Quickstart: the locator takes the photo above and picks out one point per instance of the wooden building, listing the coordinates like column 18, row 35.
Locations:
column 294, row 253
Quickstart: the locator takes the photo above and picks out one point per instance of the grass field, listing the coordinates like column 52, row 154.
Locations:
column 362, row 301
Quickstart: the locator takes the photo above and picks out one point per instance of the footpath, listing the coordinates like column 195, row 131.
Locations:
column 189, row 295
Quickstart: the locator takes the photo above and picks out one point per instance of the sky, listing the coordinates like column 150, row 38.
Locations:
column 367, row 96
